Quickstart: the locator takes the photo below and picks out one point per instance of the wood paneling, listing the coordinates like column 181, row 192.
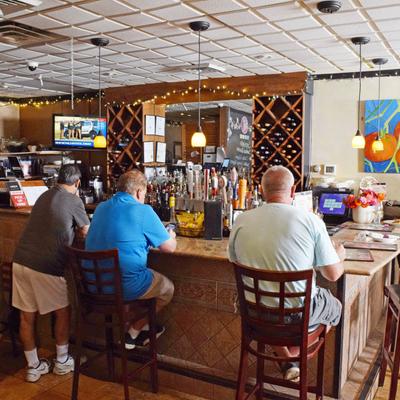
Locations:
column 211, row 131
column 36, row 123
column 266, row 85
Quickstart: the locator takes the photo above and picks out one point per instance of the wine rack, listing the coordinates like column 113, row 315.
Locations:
column 278, row 136
column 125, row 140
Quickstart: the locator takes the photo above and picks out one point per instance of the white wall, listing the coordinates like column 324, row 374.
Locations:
column 334, row 123
column 9, row 121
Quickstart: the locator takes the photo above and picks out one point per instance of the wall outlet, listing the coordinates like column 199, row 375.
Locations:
column 329, row 169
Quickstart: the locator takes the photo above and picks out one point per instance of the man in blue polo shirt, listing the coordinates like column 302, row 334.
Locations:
column 126, row 223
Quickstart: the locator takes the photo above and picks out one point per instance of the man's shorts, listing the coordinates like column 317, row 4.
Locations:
column 161, row 288
column 35, row 291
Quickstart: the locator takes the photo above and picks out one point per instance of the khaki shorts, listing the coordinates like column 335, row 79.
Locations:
column 35, row 291
column 161, row 288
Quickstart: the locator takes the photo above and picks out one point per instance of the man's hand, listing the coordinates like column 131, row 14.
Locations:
column 340, row 250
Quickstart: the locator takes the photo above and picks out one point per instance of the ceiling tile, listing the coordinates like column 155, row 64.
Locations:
column 176, row 12
column 138, row 19
column 239, row 18
column 130, row 35
column 165, row 29
column 221, row 33
column 40, row 21
column 146, row 4
column 75, row 14
column 236, row 43
column 379, row 3
column 317, row 33
column 213, row 7
column 103, row 25
column 108, row 8
column 382, row 13
column 155, row 43
column 282, row 11
column 257, row 29
column 298, row 23
column 342, row 18
column 352, row 30
column 124, row 47
column 72, row 32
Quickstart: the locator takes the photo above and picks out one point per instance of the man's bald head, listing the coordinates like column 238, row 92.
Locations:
column 278, row 185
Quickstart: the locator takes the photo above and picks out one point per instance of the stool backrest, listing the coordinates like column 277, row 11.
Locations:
column 282, row 324
column 96, row 275
column 6, row 279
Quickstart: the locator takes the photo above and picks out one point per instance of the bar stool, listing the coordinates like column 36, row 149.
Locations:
column 12, row 323
column 391, row 344
column 272, row 326
column 98, row 289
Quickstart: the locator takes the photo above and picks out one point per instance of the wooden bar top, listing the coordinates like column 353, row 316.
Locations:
column 217, row 249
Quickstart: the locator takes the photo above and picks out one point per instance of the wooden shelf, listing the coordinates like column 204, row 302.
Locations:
column 278, row 136
column 35, row 153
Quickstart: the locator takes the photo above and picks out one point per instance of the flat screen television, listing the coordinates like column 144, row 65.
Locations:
column 79, row 132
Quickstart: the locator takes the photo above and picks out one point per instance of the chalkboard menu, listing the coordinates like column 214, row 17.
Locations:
column 239, row 138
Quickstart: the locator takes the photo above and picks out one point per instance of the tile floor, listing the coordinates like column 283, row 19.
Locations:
column 53, row 387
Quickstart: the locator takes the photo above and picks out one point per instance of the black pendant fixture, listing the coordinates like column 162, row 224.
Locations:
column 329, row 7
column 198, row 137
column 100, row 42
column 377, row 144
column 358, row 141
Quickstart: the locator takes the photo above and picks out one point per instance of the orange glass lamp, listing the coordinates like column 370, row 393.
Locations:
column 358, row 141
column 377, row 144
column 100, row 142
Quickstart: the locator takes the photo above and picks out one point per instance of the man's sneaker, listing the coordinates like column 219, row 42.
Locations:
column 143, row 338
column 34, row 374
column 64, row 368
column 292, row 374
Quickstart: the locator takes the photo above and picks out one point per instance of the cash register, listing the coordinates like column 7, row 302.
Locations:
column 330, row 205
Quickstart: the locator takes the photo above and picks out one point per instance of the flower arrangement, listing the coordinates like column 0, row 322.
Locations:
column 366, row 198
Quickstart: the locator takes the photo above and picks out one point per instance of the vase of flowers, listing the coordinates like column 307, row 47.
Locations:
column 364, row 205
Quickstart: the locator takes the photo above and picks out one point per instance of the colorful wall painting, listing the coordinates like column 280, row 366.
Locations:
column 385, row 116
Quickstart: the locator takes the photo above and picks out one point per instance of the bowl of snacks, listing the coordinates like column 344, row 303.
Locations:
column 190, row 224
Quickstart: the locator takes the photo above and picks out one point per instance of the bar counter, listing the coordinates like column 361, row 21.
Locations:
column 199, row 352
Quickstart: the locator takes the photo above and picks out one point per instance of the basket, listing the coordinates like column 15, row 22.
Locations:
column 190, row 232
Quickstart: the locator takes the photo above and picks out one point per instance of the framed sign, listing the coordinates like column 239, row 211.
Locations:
column 150, row 125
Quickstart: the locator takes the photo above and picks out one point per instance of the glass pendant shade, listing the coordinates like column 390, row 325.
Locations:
column 198, row 139
column 100, row 142
column 377, row 145
column 358, row 141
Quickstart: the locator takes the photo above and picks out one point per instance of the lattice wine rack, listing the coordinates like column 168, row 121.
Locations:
column 278, row 136
column 125, row 140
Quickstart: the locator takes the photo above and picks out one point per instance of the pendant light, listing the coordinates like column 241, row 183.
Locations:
column 358, row 141
column 198, row 137
column 377, row 144
column 99, row 141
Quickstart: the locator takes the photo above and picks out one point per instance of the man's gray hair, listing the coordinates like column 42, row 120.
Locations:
column 277, row 179
column 132, row 181
column 69, row 174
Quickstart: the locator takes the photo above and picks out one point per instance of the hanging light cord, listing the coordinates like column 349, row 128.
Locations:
column 379, row 102
column 99, row 82
column 72, row 73
column 199, row 88
column 359, row 93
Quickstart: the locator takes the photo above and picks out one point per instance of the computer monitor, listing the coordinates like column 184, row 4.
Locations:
column 332, row 207
column 304, row 200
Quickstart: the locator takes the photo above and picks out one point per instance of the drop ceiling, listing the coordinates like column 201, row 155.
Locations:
column 150, row 41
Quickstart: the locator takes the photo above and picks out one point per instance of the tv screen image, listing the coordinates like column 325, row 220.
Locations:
column 332, row 203
column 79, row 132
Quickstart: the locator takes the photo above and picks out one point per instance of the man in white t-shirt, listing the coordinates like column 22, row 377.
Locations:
column 280, row 237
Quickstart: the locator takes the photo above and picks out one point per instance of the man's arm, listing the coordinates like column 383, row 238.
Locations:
column 169, row 246
column 333, row 272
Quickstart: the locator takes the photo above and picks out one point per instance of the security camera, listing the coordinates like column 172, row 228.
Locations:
column 32, row 65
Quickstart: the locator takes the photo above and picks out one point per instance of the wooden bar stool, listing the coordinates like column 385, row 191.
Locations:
column 391, row 344
column 12, row 323
column 98, row 289
column 264, row 326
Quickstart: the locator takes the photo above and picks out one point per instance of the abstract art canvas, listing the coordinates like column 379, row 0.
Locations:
column 385, row 117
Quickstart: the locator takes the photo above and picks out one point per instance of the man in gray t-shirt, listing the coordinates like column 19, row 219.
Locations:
column 38, row 268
